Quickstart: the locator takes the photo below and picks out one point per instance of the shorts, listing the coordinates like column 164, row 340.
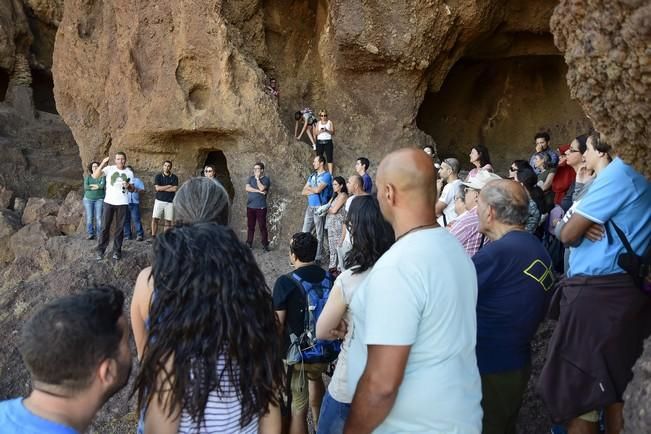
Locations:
column 298, row 384
column 324, row 147
column 163, row 210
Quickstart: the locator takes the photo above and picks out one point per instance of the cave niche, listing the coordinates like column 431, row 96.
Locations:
column 217, row 159
column 4, row 83
column 501, row 103
column 43, row 90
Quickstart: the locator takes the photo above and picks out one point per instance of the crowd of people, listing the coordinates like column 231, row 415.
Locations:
column 436, row 282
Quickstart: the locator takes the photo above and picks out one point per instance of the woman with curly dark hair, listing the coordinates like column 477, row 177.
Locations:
column 480, row 158
column 372, row 236
column 205, row 328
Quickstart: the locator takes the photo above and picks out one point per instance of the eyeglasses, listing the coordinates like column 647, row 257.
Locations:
column 571, row 151
column 323, row 115
column 468, row 189
column 513, row 169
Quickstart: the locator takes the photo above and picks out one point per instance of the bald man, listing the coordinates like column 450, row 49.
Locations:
column 515, row 277
column 412, row 357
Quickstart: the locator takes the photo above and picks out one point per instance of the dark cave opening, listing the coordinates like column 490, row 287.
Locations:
column 217, row 159
column 501, row 103
column 43, row 90
column 4, row 82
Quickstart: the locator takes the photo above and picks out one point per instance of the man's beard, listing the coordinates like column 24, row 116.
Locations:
column 125, row 374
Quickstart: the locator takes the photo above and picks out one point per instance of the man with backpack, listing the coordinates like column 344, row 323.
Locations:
column 299, row 298
column 318, row 190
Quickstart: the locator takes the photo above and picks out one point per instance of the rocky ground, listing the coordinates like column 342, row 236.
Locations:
column 67, row 265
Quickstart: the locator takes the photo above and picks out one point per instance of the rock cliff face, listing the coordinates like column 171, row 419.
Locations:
column 185, row 81
column 607, row 46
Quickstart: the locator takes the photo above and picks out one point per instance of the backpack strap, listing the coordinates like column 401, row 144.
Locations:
column 481, row 242
column 622, row 236
column 298, row 281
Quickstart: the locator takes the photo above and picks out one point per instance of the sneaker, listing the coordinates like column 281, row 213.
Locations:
column 90, row 237
column 266, row 248
column 117, row 256
column 249, row 245
column 99, row 256
column 140, row 238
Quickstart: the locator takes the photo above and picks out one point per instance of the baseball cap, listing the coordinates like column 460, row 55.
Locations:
column 480, row 180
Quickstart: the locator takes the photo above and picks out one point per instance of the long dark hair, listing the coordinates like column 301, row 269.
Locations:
column 528, row 178
column 211, row 303
column 341, row 181
column 372, row 235
column 484, row 156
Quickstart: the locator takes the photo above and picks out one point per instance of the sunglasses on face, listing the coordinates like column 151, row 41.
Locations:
column 571, row 151
column 513, row 169
column 208, row 171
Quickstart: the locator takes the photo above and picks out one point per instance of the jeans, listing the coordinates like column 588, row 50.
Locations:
column 259, row 215
column 312, row 221
column 112, row 214
column 333, row 415
column 93, row 212
column 133, row 216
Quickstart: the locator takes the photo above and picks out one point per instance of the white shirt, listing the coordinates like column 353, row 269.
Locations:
column 447, row 196
column 116, row 179
column 324, row 135
column 423, row 293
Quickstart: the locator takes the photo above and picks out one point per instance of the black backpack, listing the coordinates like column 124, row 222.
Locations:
column 638, row 267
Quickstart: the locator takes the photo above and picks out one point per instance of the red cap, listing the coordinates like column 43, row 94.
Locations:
column 563, row 149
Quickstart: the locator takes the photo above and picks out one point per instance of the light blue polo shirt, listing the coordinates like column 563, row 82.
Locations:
column 314, row 180
column 422, row 293
column 621, row 195
column 16, row 419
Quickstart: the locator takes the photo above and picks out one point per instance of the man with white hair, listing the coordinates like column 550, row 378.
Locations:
column 515, row 277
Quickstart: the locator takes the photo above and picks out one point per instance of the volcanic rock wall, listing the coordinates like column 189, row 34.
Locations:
column 607, row 46
column 185, row 80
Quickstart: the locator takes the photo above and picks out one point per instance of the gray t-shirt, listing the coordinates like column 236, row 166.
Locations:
column 258, row 200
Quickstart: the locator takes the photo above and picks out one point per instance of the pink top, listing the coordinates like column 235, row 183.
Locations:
column 466, row 230
column 476, row 170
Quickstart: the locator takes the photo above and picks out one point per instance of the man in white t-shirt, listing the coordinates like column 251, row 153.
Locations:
column 355, row 186
column 412, row 357
column 449, row 172
column 116, row 203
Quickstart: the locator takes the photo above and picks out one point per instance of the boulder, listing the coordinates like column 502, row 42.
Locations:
column 70, row 213
column 30, row 239
column 38, row 208
column 637, row 405
column 6, row 197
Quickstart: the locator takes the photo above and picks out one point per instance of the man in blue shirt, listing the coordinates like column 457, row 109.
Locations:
column 514, row 277
column 76, row 349
column 318, row 190
column 134, row 209
column 361, row 167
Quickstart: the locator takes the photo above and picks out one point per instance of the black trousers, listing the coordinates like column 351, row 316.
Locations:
column 112, row 222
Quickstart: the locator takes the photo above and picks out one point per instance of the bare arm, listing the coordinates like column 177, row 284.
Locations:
column 98, row 172
column 281, row 314
column 338, row 203
column 377, row 388
column 158, row 419
column 270, row 423
column 439, row 207
column 332, row 314
column 142, row 293
column 548, row 181
column 578, row 227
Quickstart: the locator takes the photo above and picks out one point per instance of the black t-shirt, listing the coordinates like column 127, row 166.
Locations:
column 289, row 296
column 161, row 180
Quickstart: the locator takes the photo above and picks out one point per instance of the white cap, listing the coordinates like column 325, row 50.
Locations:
column 480, row 180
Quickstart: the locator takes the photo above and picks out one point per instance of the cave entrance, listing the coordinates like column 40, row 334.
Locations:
column 501, row 103
column 217, row 159
column 43, row 90
column 4, row 83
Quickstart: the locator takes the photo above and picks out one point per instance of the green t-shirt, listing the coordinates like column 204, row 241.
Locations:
column 90, row 191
